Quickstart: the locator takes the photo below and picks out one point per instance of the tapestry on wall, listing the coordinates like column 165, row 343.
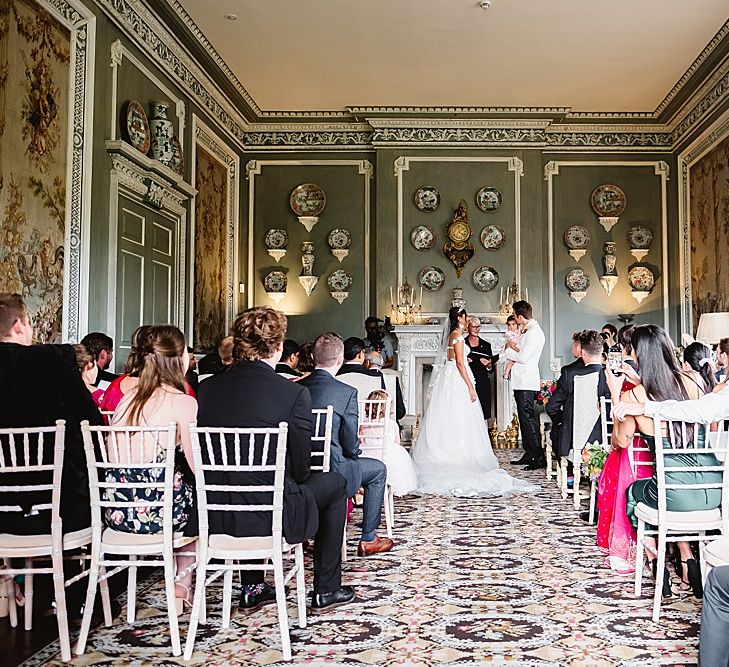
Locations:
column 709, row 216
column 211, row 261
column 34, row 80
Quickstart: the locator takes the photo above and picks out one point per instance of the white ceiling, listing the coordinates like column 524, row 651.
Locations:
column 590, row 55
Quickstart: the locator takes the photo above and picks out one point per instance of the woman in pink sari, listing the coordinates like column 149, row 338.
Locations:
column 615, row 534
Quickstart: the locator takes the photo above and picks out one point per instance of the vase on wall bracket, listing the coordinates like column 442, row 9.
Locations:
column 307, row 278
column 610, row 275
column 160, row 127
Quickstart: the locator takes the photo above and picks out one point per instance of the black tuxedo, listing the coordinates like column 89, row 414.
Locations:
column 560, row 407
column 38, row 385
column 251, row 394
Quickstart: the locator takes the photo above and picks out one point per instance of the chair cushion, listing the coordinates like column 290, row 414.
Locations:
column 716, row 553
column 686, row 520
column 116, row 538
column 71, row 540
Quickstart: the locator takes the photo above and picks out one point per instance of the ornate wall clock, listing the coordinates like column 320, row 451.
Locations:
column 457, row 249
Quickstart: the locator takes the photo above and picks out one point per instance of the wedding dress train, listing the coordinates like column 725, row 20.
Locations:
column 453, row 454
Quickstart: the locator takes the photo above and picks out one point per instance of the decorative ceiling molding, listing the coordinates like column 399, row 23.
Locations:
column 689, row 73
column 528, row 127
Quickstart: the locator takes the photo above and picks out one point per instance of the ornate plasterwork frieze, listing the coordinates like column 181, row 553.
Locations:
column 716, row 93
column 458, row 135
column 308, row 138
column 155, row 38
column 701, row 58
column 620, row 139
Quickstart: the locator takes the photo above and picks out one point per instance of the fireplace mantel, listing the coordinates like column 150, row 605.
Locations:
column 419, row 343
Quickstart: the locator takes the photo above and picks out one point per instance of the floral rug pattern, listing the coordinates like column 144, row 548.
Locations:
column 513, row 580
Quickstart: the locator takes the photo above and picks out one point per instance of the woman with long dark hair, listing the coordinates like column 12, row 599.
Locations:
column 698, row 363
column 662, row 379
column 158, row 398
column 453, row 454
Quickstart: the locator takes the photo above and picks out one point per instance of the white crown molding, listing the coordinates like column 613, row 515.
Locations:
column 717, row 132
column 551, row 170
column 208, row 139
column 715, row 42
column 456, row 123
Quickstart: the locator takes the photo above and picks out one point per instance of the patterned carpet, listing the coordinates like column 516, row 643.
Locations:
column 512, row 580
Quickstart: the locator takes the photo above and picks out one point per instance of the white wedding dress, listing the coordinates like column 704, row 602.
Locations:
column 453, row 454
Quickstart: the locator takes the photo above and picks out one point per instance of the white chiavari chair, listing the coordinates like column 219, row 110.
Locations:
column 374, row 425
column 687, row 440
column 31, row 466
column 254, row 462
column 115, row 456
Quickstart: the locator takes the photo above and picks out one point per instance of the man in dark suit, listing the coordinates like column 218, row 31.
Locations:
column 354, row 357
column 251, row 394
column 556, row 428
column 359, row 471
column 218, row 361
column 560, row 407
column 289, row 357
column 102, row 347
column 374, row 362
column 25, row 401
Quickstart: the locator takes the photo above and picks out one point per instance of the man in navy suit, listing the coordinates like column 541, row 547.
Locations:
column 560, row 407
column 371, row 474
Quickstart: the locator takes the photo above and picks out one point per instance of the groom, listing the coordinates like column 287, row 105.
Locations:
column 525, row 382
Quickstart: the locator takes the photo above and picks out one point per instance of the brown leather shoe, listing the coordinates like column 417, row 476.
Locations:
column 377, row 546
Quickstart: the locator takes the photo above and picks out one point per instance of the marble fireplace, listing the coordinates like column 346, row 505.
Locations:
column 418, row 345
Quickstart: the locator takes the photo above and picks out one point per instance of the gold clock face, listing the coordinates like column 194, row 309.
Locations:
column 459, row 231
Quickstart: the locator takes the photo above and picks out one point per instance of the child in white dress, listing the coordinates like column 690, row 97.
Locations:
column 512, row 334
column 401, row 475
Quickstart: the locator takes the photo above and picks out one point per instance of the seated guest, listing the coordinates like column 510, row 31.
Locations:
column 661, row 379
column 353, row 371
column 89, row 370
column 102, row 347
column 722, row 356
column 160, row 397
column 609, row 335
column 555, row 431
column 251, row 394
column 698, row 364
column 25, row 402
column 560, row 407
column 305, row 361
column 345, row 457
column 191, row 375
column 374, row 362
column 219, row 361
column 401, row 474
column 129, row 378
column 379, row 339
column 287, row 366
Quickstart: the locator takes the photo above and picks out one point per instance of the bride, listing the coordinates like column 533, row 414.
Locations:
column 453, row 454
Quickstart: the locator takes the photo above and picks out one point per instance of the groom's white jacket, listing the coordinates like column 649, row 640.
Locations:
column 525, row 373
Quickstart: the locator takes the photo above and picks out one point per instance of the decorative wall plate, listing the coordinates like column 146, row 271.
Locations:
column 275, row 281
column 177, row 161
column 577, row 280
column 339, row 281
column 608, row 200
column 339, row 239
column 488, row 199
column 427, row 198
column 137, row 127
column 641, row 279
column 307, row 199
column 431, row 278
column 485, row 278
column 493, row 237
column 423, row 237
column 576, row 237
column 640, row 237
column 276, row 239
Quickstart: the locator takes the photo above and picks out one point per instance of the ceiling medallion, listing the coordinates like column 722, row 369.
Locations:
column 458, row 250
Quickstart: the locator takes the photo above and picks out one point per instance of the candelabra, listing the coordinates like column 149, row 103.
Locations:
column 405, row 310
column 513, row 293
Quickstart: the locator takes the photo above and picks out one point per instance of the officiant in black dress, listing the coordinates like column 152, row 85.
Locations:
column 482, row 363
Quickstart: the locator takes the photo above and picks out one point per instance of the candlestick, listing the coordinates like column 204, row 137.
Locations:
column 526, row 294
column 421, row 295
column 392, row 301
